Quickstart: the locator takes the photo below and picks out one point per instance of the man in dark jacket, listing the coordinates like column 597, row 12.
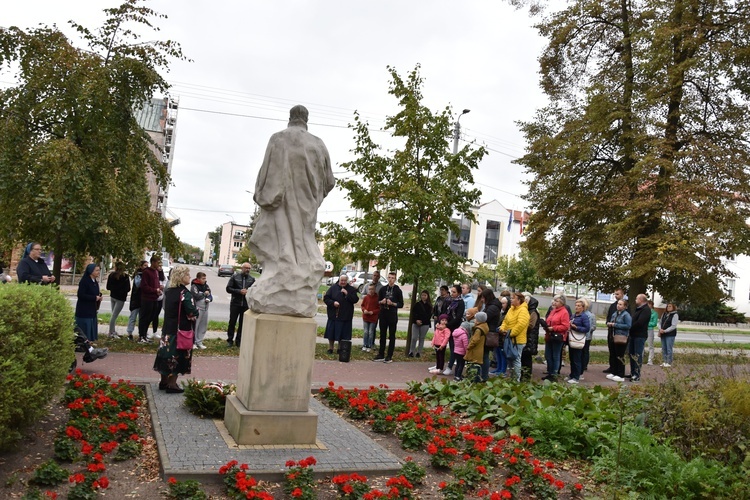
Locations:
column 151, row 288
column 638, row 335
column 619, row 294
column 391, row 299
column 532, row 340
column 237, row 286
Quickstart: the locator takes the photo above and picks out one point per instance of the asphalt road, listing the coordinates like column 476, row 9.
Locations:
column 219, row 310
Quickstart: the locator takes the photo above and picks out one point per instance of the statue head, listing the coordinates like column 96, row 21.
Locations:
column 298, row 116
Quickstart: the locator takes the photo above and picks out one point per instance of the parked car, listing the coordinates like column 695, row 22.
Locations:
column 360, row 280
column 226, row 270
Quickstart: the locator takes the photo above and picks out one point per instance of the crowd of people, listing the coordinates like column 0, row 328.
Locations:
column 470, row 333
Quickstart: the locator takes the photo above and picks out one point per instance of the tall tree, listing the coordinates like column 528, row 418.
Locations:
column 522, row 273
column 640, row 161
column 405, row 199
column 73, row 159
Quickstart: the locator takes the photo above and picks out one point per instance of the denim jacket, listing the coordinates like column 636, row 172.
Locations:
column 622, row 322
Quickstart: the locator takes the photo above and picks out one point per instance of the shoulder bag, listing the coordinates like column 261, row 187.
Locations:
column 575, row 342
column 620, row 339
column 492, row 339
column 510, row 348
column 185, row 338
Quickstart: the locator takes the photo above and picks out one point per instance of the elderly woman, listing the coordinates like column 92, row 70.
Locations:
column 667, row 333
column 340, row 300
column 179, row 314
column 515, row 324
column 580, row 324
column 556, row 329
column 31, row 268
column 88, row 302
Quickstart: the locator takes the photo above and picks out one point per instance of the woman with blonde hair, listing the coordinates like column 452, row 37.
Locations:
column 179, row 314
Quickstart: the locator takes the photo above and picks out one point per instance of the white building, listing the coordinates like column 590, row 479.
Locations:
column 232, row 241
column 496, row 235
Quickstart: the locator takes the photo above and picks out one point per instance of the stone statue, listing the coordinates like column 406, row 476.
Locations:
column 294, row 179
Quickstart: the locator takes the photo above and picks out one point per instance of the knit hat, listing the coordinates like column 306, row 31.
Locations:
column 480, row 317
column 443, row 317
column 466, row 325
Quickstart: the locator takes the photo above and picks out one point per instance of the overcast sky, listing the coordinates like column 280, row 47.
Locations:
column 252, row 61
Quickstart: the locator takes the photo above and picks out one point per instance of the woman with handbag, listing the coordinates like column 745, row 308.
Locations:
column 175, row 354
column 620, row 323
column 579, row 329
column 556, row 332
column 492, row 308
column 667, row 334
column 514, row 327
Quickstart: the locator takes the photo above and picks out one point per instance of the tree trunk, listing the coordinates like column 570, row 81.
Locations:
column 57, row 265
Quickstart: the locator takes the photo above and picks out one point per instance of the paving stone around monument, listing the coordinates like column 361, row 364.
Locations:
column 194, row 448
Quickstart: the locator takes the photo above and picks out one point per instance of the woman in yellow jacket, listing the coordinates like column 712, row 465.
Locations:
column 517, row 322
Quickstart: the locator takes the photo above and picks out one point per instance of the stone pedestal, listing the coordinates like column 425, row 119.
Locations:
column 273, row 382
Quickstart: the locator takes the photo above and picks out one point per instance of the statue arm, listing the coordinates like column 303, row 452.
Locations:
column 271, row 183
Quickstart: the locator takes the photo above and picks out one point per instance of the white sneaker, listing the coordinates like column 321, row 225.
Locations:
column 157, row 335
column 618, row 379
column 649, row 362
column 435, row 371
column 432, row 368
column 447, row 371
column 581, row 377
column 572, row 381
column 611, row 376
column 666, row 365
column 364, row 348
column 201, row 346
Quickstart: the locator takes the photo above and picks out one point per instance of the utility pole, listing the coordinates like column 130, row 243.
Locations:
column 457, row 130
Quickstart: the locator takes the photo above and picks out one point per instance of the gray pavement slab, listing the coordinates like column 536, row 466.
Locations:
column 195, row 448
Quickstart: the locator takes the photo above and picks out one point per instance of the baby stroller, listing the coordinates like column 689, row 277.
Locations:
column 82, row 344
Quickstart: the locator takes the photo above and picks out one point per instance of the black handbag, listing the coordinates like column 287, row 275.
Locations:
column 492, row 340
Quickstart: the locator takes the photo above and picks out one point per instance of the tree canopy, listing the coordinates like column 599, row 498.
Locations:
column 640, row 160
column 405, row 199
column 73, row 159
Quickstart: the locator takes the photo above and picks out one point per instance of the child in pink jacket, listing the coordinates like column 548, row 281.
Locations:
column 439, row 341
column 460, row 344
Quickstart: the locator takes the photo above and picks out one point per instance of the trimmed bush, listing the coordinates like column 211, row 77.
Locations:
column 36, row 327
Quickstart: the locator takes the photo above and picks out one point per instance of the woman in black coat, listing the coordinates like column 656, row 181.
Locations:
column 340, row 300
column 455, row 311
column 89, row 298
column 421, row 316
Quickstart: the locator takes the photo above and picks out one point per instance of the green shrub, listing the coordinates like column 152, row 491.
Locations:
column 50, row 474
column 703, row 416
column 655, row 470
column 207, row 399
column 36, row 326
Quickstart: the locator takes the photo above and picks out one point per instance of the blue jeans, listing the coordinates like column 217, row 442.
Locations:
column 553, row 354
column 635, row 350
column 517, row 363
column 500, row 360
column 576, row 363
column 368, row 337
column 667, row 348
column 486, row 363
column 132, row 320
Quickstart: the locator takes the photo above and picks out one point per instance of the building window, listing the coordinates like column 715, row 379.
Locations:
column 237, row 244
column 460, row 241
column 730, row 287
column 492, row 241
column 239, row 234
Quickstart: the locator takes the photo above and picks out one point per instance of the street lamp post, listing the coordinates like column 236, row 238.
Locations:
column 231, row 233
column 457, row 130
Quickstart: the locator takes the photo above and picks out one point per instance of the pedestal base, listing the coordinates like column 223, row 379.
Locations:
column 271, row 405
column 269, row 427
